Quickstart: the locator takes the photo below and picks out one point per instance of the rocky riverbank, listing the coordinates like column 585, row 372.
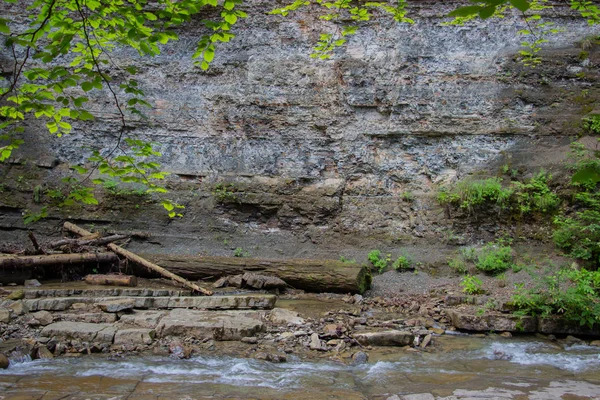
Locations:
column 69, row 320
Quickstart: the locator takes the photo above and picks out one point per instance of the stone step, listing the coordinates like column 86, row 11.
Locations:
column 217, row 325
column 104, row 292
column 124, row 303
column 89, row 332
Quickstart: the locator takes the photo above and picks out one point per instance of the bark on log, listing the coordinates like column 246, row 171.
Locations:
column 309, row 275
column 56, row 259
column 156, row 268
column 86, row 242
column 114, row 280
column 141, row 261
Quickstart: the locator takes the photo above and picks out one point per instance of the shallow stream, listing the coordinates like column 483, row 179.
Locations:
column 458, row 368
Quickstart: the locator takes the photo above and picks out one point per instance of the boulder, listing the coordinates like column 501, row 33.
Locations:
column 236, row 281
column 136, row 336
column 16, row 295
column 283, row 316
column 223, row 325
column 561, row 326
column 316, row 344
column 43, row 353
column 265, row 282
column 385, row 338
column 221, row 282
column 32, row 283
column 360, row 357
column 5, row 316
column 43, row 318
column 84, row 331
column 4, row 363
column 19, row 308
column 491, row 322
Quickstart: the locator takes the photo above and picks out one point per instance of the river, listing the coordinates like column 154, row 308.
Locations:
column 459, row 367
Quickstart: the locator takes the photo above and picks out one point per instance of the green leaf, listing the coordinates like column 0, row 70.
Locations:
column 521, row 5
column 466, row 11
column 586, row 175
column 87, row 86
column 3, row 27
column 487, row 12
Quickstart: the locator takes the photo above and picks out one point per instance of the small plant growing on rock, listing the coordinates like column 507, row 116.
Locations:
column 458, row 265
column 224, row 193
column 378, row 260
column 240, row 252
column 471, row 285
column 403, row 263
column 347, row 260
column 494, row 258
column 408, row 197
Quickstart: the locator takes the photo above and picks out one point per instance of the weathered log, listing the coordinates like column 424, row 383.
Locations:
column 56, row 259
column 141, row 261
column 114, row 280
column 156, row 268
column 309, row 275
column 86, row 242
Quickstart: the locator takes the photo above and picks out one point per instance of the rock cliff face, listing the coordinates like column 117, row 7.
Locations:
column 273, row 149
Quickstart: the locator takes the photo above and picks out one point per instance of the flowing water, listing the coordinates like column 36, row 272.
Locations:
column 459, row 368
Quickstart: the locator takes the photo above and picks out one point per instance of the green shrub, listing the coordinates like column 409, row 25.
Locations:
column 572, row 293
column 471, row 285
column 579, row 233
column 522, row 197
column 535, row 195
column 458, row 264
column 592, row 124
column 402, row 263
column 378, row 260
column 494, row 258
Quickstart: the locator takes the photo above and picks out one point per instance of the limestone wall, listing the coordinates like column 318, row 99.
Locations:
column 315, row 149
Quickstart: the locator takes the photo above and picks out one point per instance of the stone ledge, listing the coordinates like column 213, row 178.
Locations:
column 209, row 302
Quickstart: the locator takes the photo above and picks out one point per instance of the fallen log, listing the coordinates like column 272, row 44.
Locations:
column 309, row 275
column 114, row 280
column 56, row 259
column 141, row 261
column 86, row 242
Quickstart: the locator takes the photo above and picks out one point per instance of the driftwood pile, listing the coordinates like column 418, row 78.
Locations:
column 241, row 272
column 87, row 240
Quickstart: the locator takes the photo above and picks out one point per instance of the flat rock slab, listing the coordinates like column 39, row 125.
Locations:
column 104, row 292
column 115, row 306
column 103, row 333
column 266, row 302
column 492, row 322
column 144, row 319
column 96, row 318
column 223, row 325
column 135, row 336
column 283, row 316
column 385, row 338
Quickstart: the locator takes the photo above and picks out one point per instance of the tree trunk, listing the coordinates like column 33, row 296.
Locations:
column 56, row 259
column 309, row 275
column 114, row 280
